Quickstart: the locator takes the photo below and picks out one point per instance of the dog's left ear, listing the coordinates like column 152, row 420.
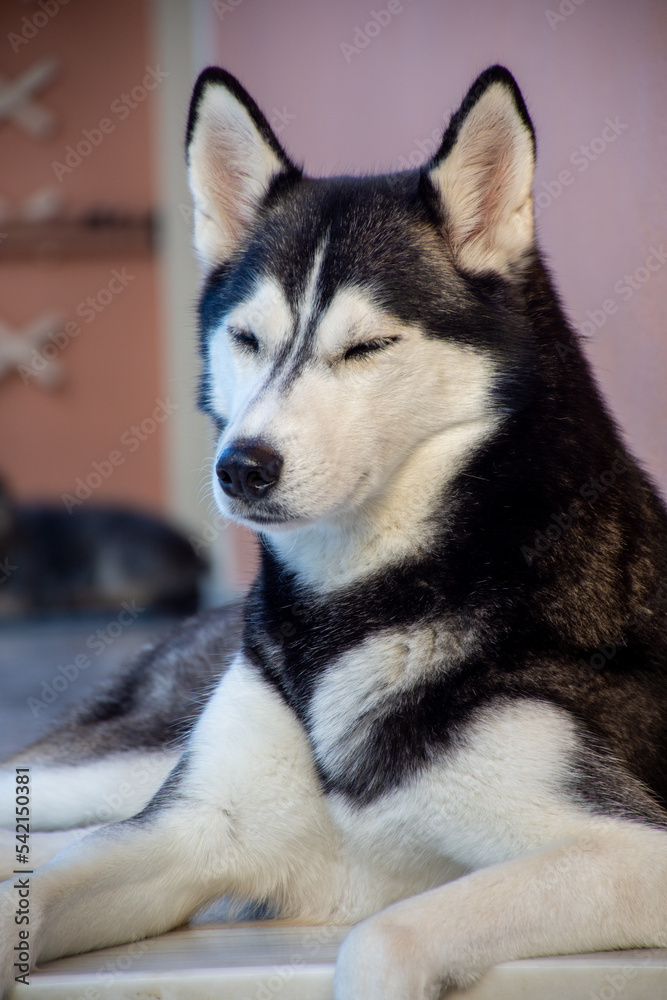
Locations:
column 233, row 160
column 482, row 176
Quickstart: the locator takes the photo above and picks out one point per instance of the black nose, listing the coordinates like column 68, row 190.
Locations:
column 248, row 470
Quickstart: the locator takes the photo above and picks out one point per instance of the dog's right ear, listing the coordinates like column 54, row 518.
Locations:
column 233, row 160
column 482, row 176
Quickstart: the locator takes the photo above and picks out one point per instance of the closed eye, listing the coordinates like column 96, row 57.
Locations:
column 244, row 339
column 369, row 347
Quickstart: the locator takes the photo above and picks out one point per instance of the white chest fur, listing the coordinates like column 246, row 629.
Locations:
column 495, row 793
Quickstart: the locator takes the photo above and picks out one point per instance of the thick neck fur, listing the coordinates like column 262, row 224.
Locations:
column 398, row 524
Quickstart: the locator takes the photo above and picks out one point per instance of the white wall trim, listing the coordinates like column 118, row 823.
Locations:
column 183, row 43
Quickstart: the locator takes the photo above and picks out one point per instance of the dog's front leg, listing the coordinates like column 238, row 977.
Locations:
column 606, row 889
column 242, row 814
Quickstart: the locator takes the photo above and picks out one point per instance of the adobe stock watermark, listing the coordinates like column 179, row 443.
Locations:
column 31, row 26
column 423, row 150
column 581, row 158
column 363, row 35
column 97, row 642
column 280, row 118
column 566, row 9
column 606, row 651
column 561, row 522
column 311, row 944
column 148, row 771
column 223, row 7
column 131, row 440
column 624, row 288
column 208, row 534
column 616, row 982
column 566, row 868
column 88, row 310
column 108, row 973
column 121, row 108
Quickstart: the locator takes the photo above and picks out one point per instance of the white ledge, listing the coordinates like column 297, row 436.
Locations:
column 279, row 961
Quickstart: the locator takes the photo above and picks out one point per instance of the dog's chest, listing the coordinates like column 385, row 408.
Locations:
column 373, row 686
column 424, row 759
column 474, row 788
column 376, row 711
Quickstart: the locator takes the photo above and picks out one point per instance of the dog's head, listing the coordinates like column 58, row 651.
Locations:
column 355, row 331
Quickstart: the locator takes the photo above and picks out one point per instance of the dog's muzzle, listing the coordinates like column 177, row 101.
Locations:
column 248, row 470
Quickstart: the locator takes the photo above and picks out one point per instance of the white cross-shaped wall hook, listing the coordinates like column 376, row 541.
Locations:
column 16, row 104
column 40, row 206
column 32, row 354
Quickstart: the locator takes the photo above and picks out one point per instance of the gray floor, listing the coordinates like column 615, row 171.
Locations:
column 48, row 664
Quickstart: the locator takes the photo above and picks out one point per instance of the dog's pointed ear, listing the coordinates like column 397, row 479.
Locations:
column 482, row 176
column 233, row 160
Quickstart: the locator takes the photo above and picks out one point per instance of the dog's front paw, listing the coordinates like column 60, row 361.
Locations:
column 383, row 959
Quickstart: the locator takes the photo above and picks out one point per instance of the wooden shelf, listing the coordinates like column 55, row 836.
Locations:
column 67, row 239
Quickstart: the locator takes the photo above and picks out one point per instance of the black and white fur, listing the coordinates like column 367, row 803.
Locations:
column 413, row 731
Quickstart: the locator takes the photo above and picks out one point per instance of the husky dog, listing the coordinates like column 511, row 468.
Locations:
column 448, row 714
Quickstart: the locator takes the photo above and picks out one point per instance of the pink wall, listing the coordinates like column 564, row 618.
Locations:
column 339, row 110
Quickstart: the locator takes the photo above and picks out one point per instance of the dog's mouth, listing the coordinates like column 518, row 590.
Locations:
column 259, row 516
column 269, row 520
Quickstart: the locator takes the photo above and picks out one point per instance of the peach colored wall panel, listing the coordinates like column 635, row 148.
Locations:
column 98, row 157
